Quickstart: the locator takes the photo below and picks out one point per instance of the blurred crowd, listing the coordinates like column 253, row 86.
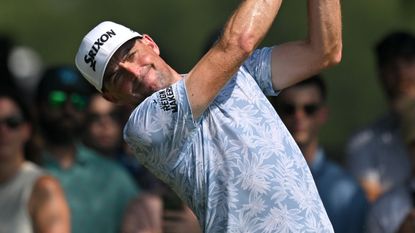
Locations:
column 64, row 166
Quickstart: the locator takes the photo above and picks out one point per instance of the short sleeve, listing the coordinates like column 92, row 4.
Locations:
column 258, row 65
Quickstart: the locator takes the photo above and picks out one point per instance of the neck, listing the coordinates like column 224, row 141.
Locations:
column 309, row 151
column 10, row 167
column 175, row 77
column 63, row 154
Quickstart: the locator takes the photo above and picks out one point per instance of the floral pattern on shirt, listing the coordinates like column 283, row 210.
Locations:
column 237, row 166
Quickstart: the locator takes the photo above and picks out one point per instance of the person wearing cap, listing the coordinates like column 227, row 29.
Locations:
column 31, row 200
column 211, row 134
column 98, row 190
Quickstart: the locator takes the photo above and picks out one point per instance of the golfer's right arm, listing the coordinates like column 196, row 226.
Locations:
column 242, row 33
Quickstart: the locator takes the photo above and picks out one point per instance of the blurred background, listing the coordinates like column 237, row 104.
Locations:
column 48, row 32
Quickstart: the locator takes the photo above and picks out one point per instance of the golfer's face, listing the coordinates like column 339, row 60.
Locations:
column 137, row 75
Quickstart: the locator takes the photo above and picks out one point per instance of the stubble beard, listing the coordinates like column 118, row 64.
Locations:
column 142, row 92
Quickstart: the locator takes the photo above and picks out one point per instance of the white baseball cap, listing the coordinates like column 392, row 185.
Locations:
column 97, row 48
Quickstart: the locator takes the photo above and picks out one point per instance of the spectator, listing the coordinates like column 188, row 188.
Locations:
column 304, row 111
column 105, row 121
column 104, row 127
column 98, row 190
column 30, row 199
column 394, row 212
column 104, row 134
column 376, row 154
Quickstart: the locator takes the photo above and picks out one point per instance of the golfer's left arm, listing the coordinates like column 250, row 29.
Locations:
column 295, row 61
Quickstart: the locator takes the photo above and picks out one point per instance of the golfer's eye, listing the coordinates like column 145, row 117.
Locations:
column 130, row 56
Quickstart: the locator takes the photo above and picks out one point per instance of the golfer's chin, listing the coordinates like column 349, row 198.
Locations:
column 140, row 93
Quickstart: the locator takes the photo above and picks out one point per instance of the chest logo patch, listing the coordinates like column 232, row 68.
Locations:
column 167, row 100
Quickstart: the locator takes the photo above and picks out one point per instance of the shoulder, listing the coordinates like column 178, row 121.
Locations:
column 98, row 161
column 335, row 169
column 371, row 133
column 160, row 123
column 47, row 183
column 156, row 116
column 342, row 180
column 29, row 174
column 46, row 188
column 106, row 169
column 32, row 169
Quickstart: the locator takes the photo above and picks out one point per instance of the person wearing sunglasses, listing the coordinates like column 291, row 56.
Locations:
column 104, row 126
column 303, row 110
column 31, row 200
column 98, row 190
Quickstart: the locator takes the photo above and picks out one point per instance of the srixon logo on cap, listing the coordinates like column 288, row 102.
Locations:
column 90, row 57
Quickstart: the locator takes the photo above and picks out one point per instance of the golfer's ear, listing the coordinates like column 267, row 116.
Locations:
column 147, row 40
